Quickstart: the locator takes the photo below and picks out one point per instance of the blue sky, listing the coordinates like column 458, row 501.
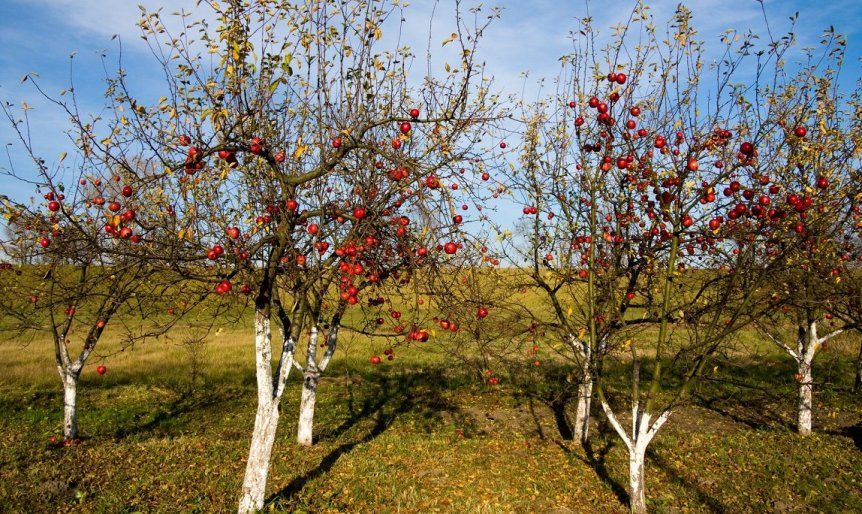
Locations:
column 39, row 35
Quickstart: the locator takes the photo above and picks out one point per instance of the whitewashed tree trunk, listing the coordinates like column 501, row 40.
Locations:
column 637, row 440
column 808, row 343
column 585, row 391
column 582, row 414
column 806, row 387
column 308, row 397
column 306, row 409
column 70, row 373
column 807, row 347
column 70, row 405
column 637, row 493
column 259, row 455
column 269, row 391
column 313, row 371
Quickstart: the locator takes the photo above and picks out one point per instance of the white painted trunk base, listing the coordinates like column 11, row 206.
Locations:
column 70, row 406
column 637, row 441
column 305, row 428
column 806, row 388
column 259, row 455
column 582, row 414
column 808, row 344
column 265, row 421
column 637, row 500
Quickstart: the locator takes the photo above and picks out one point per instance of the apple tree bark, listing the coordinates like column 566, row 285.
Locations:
column 312, row 373
column 270, row 388
column 808, row 343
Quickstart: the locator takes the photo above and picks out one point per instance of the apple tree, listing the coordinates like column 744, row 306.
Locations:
column 279, row 124
column 811, row 156
column 645, row 265
column 96, row 251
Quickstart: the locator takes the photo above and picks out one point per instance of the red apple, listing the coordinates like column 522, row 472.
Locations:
column 223, row 287
column 822, row 182
column 692, row 164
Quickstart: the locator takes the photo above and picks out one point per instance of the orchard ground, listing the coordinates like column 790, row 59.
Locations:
column 418, row 434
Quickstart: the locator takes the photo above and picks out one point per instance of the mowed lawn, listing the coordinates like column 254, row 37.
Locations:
column 419, row 434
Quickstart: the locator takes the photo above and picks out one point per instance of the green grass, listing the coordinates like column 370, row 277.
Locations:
column 414, row 435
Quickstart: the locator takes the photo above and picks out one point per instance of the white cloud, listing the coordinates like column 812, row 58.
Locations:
column 104, row 19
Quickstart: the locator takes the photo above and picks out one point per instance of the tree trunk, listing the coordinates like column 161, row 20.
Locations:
column 306, row 409
column 805, row 393
column 637, row 494
column 70, row 406
column 642, row 433
column 582, row 415
column 257, row 467
column 265, row 420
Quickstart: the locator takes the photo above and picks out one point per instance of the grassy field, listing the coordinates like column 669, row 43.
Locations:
column 413, row 435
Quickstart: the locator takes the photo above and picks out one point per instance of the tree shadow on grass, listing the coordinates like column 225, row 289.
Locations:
column 553, row 391
column 757, row 412
column 169, row 413
column 557, row 403
column 558, row 407
column 287, row 493
column 854, row 432
column 556, row 391
column 595, row 456
column 713, row 504
column 388, row 398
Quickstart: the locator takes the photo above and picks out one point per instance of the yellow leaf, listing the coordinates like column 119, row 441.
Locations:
column 300, row 149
